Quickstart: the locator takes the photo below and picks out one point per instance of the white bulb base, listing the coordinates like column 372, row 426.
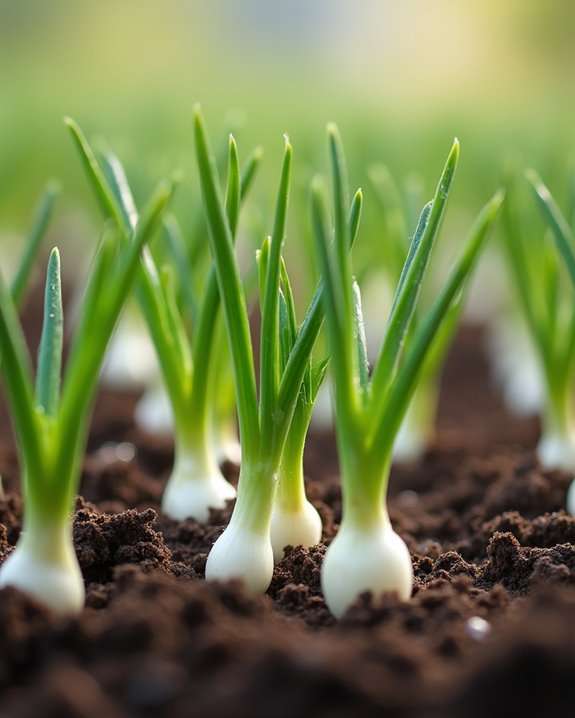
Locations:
column 570, row 502
column 242, row 554
column 410, row 444
column 372, row 559
column 294, row 528
column 556, row 451
column 194, row 488
column 46, row 568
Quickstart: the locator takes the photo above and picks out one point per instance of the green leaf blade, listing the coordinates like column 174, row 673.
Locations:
column 410, row 282
column 231, row 293
column 51, row 342
column 387, row 423
column 269, row 337
column 40, row 224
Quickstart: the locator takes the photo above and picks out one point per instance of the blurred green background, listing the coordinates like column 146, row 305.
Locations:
column 400, row 79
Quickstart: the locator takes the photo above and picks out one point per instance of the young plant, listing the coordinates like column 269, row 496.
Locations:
column 188, row 358
column 539, row 274
column 418, row 426
column 366, row 554
column 51, row 424
column 244, row 549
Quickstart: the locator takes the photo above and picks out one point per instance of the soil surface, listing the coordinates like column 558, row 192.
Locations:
column 489, row 631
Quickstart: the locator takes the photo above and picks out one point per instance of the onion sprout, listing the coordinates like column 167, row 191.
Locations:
column 244, row 550
column 539, row 273
column 366, row 554
column 189, row 360
column 51, row 423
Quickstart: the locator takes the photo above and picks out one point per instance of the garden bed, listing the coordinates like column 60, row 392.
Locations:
column 489, row 630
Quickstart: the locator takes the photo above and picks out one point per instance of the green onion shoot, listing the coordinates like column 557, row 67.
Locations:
column 540, row 271
column 370, row 404
column 51, row 420
column 183, row 328
column 542, row 264
column 244, row 550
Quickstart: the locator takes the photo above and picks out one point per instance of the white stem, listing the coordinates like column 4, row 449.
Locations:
column 153, row 411
column 322, row 417
column 226, row 444
column 44, row 565
column 411, row 440
column 556, row 450
column 244, row 550
column 571, row 499
column 195, row 486
column 371, row 558
column 301, row 527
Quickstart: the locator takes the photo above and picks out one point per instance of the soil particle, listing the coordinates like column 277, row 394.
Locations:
column 104, row 541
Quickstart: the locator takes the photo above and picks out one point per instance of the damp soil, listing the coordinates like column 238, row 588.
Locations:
column 488, row 632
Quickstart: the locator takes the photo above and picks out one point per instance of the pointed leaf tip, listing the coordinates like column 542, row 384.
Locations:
column 54, row 255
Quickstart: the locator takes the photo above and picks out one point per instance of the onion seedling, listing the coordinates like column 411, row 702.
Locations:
column 366, row 554
column 539, row 273
column 188, row 359
column 244, row 550
column 51, row 423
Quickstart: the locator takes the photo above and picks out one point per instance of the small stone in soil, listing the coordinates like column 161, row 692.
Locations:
column 477, row 628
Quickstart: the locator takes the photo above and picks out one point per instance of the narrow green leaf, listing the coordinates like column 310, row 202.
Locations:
column 51, row 342
column 288, row 295
column 355, row 216
column 107, row 295
column 559, row 226
column 269, row 337
column 262, row 259
column 161, row 318
column 387, row 423
column 518, row 262
column 318, row 373
column 177, row 251
column 106, row 199
column 177, row 329
column 232, row 201
column 395, row 231
column 287, row 337
column 341, row 235
column 40, row 224
column 115, row 174
column 249, row 171
column 231, row 293
column 17, row 375
column 313, row 319
column 409, row 285
column 206, row 322
column 340, row 358
column 360, row 341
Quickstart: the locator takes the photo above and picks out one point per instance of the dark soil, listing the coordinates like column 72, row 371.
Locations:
column 489, row 631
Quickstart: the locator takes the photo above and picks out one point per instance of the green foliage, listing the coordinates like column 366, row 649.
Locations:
column 369, row 410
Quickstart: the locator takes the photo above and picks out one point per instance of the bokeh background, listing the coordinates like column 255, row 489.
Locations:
column 400, row 78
